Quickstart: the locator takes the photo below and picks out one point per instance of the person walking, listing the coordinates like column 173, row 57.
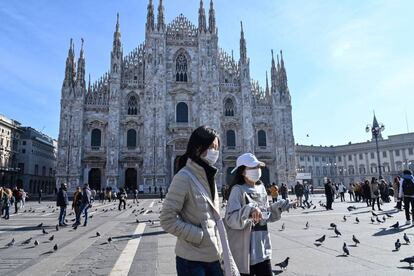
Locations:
column 6, row 202
column 62, row 201
column 76, row 205
column 397, row 199
column 161, row 193
column 274, row 192
column 284, row 191
column 191, row 207
column 306, row 195
column 342, row 189
column 351, row 191
column 135, row 196
column 86, row 203
column 122, row 195
column 17, row 194
column 149, row 188
column 366, row 189
column 40, row 195
column 24, row 196
column 375, row 193
column 407, row 194
column 329, row 193
column 247, row 215
column 299, row 192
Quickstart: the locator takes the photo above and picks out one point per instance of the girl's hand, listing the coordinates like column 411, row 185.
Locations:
column 256, row 215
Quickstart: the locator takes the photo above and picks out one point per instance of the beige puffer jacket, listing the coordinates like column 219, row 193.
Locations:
column 186, row 215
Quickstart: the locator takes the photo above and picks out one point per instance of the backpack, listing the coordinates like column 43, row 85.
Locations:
column 408, row 187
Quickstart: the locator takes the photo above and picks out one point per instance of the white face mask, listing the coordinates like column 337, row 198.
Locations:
column 254, row 174
column 212, row 156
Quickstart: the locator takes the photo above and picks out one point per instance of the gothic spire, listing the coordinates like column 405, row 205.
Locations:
column 150, row 16
column 70, row 66
column 80, row 76
column 243, row 54
column 211, row 18
column 117, row 47
column 267, row 85
column 282, row 76
column 201, row 18
column 273, row 73
column 160, row 18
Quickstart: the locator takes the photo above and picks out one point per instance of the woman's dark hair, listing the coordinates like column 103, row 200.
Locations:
column 237, row 179
column 200, row 140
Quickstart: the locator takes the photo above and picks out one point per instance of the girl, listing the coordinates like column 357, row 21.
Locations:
column 187, row 213
column 246, row 218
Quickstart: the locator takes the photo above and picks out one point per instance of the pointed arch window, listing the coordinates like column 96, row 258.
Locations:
column 132, row 105
column 231, row 138
column 261, row 137
column 228, row 107
column 131, row 138
column 96, row 138
column 182, row 113
column 181, row 68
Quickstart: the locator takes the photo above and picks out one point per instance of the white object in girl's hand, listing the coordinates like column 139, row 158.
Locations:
column 265, row 215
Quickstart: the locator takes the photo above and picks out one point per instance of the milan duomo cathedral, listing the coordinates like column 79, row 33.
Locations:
column 129, row 128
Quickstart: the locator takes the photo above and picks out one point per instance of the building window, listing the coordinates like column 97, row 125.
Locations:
column 301, row 158
column 181, row 68
column 339, row 158
column 310, row 169
column 384, row 154
column 325, row 172
column 316, row 159
column 23, row 150
column 132, row 105
column 318, row 171
column 349, row 157
column 372, row 155
column 229, row 107
column 261, row 137
column 96, row 138
column 182, row 113
column 323, row 158
column 410, row 151
column 131, row 138
column 361, row 169
column 43, row 171
column 361, row 156
column 50, row 172
column 36, row 172
column 231, row 138
column 397, row 152
column 308, row 158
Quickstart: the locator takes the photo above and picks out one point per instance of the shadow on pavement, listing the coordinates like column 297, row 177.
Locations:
column 405, row 267
column 277, row 272
column 390, row 231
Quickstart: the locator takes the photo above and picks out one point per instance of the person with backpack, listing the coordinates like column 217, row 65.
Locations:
column 407, row 194
column 247, row 215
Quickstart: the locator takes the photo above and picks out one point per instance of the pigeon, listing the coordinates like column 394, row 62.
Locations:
column 137, row 220
column 314, row 207
column 408, row 260
column 350, row 208
column 55, row 248
column 321, row 239
column 11, row 243
column 384, row 218
column 378, row 220
column 98, row 234
column 109, row 239
column 397, row 245
column 284, row 264
column 283, row 226
column 44, row 231
column 372, row 220
column 307, row 225
column 337, row 232
column 36, row 243
column 407, row 240
column 57, row 227
column 27, row 241
column 388, row 215
column 395, row 225
column 355, row 240
column 40, row 225
column 344, row 218
column 333, row 225
column 357, row 220
column 345, row 249
column 51, row 238
column 373, row 213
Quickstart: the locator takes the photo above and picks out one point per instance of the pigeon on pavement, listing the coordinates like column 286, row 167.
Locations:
column 40, row 225
column 11, row 243
column 283, row 227
column 307, row 225
column 372, row 220
column 408, row 260
column 55, row 248
column 98, row 234
column 109, row 239
column 355, row 240
column 36, row 243
column 388, row 215
column 44, row 231
column 344, row 218
column 284, row 264
column 373, row 213
column 27, row 241
column 406, row 239
column 57, row 227
column 333, row 225
column 337, row 232
column 345, row 249
column 51, row 238
column 395, row 225
column 321, row 239
column 397, row 245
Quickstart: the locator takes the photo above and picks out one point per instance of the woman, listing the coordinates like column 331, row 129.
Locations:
column 6, row 202
column 396, row 187
column 186, row 212
column 375, row 193
column 76, row 204
column 247, row 215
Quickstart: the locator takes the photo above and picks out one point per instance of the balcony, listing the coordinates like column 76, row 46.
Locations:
column 180, row 127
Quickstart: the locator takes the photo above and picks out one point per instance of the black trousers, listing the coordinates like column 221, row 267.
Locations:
column 121, row 201
column 407, row 202
column 261, row 269
column 373, row 203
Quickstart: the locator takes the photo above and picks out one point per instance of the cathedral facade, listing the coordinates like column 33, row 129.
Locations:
column 128, row 128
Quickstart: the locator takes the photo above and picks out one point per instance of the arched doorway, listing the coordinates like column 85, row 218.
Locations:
column 131, row 179
column 94, row 179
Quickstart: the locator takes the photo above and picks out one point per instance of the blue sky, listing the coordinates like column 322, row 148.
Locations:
column 344, row 59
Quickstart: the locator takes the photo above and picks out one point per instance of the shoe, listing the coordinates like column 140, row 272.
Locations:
column 408, row 222
column 61, row 224
column 84, row 224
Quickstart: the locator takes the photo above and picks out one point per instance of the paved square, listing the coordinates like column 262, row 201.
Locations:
column 145, row 249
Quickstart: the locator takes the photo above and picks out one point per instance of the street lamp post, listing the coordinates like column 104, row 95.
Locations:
column 376, row 129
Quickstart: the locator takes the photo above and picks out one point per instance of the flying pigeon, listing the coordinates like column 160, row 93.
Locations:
column 284, row 264
column 55, row 248
column 397, row 245
column 27, row 241
column 395, row 225
column 321, row 239
column 345, row 249
column 355, row 240
column 408, row 260
column 337, row 232
column 407, row 240
column 11, row 243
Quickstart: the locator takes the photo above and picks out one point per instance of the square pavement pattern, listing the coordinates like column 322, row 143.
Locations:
column 143, row 248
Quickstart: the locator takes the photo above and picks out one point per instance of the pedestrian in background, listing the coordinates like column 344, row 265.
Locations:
column 375, row 193
column 6, row 202
column 86, row 202
column 329, row 193
column 284, row 191
column 367, row 192
column 274, row 192
column 299, row 192
column 351, row 192
column 40, row 195
column 397, row 199
column 122, row 195
column 407, row 194
column 62, row 201
column 76, row 205
column 342, row 189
